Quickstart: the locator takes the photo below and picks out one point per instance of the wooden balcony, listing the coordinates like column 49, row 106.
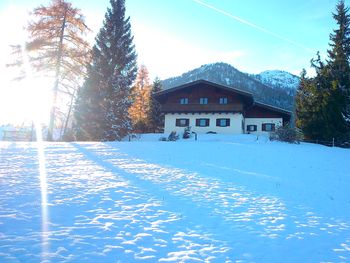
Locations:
column 196, row 107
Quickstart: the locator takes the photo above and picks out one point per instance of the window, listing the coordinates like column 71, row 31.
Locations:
column 184, row 101
column 182, row 122
column 268, row 127
column 202, row 122
column 252, row 128
column 203, row 101
column 222, row 122
column 223, row 100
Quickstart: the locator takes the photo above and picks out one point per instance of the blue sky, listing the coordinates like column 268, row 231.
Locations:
column 278, row 34
column 174, row 36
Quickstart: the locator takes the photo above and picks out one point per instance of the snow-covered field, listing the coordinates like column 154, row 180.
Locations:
column 219, row 199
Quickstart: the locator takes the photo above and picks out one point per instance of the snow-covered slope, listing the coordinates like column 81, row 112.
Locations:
column 278, row 79
column 218, row 199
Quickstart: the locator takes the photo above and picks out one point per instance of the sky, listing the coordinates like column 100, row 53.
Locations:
column 175, row 36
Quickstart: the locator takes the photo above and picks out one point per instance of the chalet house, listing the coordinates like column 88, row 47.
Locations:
column 209, row 107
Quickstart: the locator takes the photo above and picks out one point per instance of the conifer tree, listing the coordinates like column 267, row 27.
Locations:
column 303, row 105
column 156, row 116
column 321, row 124
column 101, row 110
column 139, row 111
column 339, row 56
column 322, row 102
column 89, row 111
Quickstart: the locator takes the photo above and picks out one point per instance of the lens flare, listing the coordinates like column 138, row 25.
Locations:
column 42, row 168
column 44, row 196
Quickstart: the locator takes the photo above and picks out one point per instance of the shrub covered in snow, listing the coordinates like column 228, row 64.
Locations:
column 187, row 133
column 286, row 133
column 173, row 136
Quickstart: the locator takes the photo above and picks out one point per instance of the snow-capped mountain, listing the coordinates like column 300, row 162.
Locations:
column 267, row 88
column 278, row 79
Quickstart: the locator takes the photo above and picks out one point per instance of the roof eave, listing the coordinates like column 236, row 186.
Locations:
column 189, row 84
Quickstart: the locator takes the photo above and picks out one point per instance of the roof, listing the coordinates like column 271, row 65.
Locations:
column 273, row 108
column 201, row 81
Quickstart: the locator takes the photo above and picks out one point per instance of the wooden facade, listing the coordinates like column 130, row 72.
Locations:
column 236, row 100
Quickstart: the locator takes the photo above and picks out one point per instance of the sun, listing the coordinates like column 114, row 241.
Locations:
column 23, row 102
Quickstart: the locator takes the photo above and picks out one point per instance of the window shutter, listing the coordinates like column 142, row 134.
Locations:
column 197, row 122
column 182, row 122
column 263, row 127
column 217, row 122
column 228, row 122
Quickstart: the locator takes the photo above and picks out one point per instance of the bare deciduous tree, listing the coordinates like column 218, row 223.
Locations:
column 57, row 48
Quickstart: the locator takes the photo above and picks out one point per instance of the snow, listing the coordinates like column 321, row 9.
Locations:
column 279, row 78
column 219, row 199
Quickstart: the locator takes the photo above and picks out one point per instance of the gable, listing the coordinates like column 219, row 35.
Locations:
column 212, row 93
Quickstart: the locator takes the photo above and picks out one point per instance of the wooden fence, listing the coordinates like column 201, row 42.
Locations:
column 17, row 135
column 332, row 143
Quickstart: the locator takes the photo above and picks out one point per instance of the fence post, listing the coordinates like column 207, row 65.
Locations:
column 32, row 132
column 195, row 135
column 333, row 142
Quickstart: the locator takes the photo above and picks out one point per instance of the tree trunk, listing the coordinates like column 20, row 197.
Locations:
column 57, row 80
column 68, row 115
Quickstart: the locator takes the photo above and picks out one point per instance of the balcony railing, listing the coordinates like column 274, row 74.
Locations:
column 196, row 107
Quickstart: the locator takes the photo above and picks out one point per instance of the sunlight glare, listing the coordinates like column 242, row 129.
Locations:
column 36, row 118
column 44, row 196
column 21, row 100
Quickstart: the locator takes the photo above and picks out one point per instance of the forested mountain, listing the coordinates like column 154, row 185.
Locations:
column 222, row 73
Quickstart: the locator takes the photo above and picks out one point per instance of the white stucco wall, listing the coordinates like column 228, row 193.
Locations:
column 234, row 128
column 259, row 121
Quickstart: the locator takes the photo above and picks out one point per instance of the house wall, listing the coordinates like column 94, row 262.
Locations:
column 259, row 112
column 235, row 127
column 259, row 121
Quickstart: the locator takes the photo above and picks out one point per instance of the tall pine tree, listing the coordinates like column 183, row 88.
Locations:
column 156, row 116
column 305, row 101
column 322, row 102
column 339, row 69
column 101, row 110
